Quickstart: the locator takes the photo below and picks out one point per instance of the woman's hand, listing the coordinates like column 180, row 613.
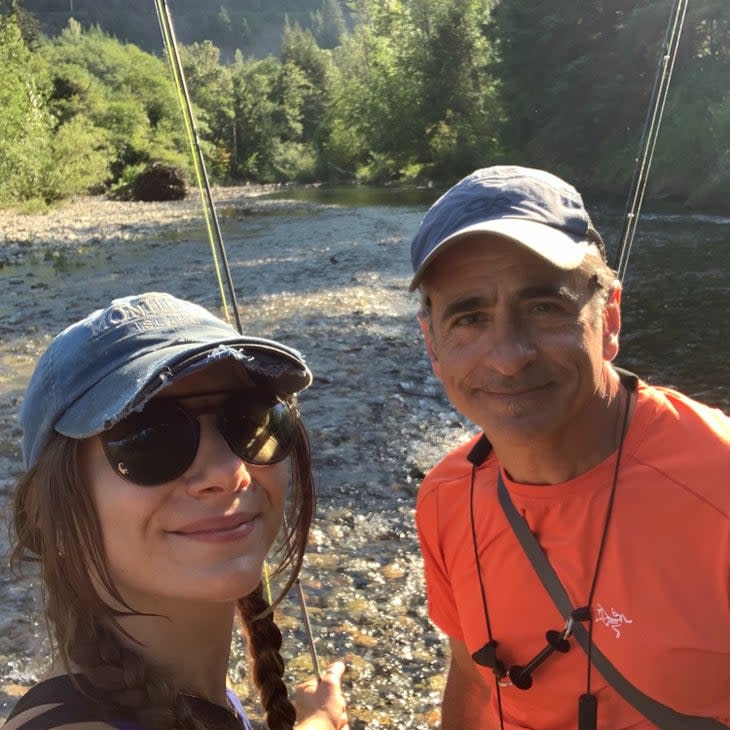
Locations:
column 320, row 704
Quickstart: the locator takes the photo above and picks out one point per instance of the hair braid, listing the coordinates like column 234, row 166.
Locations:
column 267, row 664
column 125, row 680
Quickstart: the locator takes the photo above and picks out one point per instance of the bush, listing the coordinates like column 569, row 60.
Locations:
column 25, row 123
column 294, row 161
column 80, row 160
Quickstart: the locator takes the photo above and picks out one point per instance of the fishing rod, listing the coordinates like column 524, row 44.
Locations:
column 201, row 174
column 643, row 161
column 216, row 242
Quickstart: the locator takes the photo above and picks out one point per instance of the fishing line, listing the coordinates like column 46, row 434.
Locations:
column 663, row 76
column 216, row 238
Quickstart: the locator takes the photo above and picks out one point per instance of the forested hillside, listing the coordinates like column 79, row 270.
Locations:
column 254, row 26
column 422, row 90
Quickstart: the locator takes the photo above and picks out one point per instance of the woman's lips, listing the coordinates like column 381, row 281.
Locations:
column 219, row 529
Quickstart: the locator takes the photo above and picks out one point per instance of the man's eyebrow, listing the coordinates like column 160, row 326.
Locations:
column 535, row 291
column 467, row 304
column 548, row 291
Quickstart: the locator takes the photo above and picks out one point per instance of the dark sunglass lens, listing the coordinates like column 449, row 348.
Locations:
column 258, row 432
column 154, row 446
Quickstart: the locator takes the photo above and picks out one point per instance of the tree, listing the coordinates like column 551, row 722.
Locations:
column 374, row 118
column 211, row 89
column 576, row 82
column 26, row 22
column 25, row 123
column 328, row 24
column 254, row 109
column 692, row 159
column 300, row 50
column 413, row 89
column 103, row 84
column 460, row 103
column 571, row 77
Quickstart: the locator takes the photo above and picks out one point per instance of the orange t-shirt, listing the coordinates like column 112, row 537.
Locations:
column 661, row 609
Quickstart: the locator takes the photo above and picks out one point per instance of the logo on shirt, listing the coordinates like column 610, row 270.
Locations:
column 613, row 619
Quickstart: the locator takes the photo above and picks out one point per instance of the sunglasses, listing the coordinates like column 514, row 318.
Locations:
column 159, row 444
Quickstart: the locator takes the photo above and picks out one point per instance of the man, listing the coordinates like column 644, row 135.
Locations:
column 626, row 487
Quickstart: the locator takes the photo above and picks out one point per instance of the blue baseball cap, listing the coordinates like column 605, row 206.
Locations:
column 530, row 207
column 113, row 361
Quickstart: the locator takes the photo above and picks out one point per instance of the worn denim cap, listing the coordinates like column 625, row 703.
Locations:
column 113, row 361
column 531, row 207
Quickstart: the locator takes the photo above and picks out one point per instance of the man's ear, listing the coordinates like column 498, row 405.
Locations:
column 612, row 322
column 425, row 323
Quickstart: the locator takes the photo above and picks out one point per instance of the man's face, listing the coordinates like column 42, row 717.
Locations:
column 519, row 345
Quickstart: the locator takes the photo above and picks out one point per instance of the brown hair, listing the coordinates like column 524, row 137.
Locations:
column 56, row 526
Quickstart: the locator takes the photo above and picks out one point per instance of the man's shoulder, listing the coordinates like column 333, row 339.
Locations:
column 685, row 414
column 452, row 471
column 684, row 443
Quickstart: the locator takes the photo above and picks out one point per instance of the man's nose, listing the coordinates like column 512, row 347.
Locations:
column 510, row 344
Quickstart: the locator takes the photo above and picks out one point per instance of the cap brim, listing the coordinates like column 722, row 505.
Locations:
column 130, row 386
column 560, row 249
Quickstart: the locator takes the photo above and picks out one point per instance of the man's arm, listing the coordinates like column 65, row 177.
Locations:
column 466, row 697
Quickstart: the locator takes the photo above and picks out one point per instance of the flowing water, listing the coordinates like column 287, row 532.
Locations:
column 328, row 274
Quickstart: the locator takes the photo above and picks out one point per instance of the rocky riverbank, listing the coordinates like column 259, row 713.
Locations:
column 331, row 281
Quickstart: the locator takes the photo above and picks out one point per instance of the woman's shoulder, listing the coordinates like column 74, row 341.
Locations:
column 59, row 702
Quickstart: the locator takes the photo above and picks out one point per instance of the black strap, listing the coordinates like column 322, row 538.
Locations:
column 71, row 706
column 662, row 716
column 70, row 715
column 53, row 691
column 75, row 706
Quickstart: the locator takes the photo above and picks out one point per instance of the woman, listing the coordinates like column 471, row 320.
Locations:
column 164, row 458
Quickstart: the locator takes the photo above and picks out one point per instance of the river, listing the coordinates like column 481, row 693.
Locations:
column 327, row 271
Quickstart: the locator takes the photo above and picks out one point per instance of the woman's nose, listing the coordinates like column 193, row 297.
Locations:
column 216, row 467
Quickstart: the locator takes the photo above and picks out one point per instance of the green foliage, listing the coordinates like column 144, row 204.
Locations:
column 25, row 21
column 310, row 69
column 589, row 76
column 375, row 98
column 120, row 89
column 576, row 81
column 328, row 24
column 81, row 160
column 211, row 89
column 414, row 88
column 279, row 110
column 255, row 124
column 294, row 161
column 253, row 26
column 693, row 152
column 25, row 122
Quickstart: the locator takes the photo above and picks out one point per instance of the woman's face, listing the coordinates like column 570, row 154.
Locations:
column 203, row 536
